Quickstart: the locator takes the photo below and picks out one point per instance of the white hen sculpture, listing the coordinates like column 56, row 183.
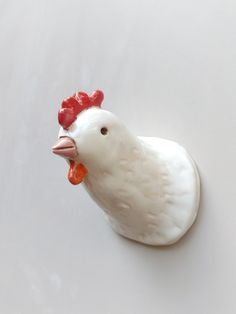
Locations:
column 148, row 187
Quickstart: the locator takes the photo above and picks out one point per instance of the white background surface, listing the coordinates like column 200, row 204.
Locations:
column 168, row 69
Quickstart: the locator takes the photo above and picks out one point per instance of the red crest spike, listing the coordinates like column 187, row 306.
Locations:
column 96, row 98
column 73, row 105
column 66, row 116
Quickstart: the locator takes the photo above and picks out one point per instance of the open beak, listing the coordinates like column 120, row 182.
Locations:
column 65, row 147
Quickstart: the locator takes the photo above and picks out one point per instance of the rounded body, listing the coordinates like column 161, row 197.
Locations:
column 151, row 195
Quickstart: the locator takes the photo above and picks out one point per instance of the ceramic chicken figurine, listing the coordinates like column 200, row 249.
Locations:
column 148, row 187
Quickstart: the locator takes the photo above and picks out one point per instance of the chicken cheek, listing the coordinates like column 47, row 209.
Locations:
column 77, row 173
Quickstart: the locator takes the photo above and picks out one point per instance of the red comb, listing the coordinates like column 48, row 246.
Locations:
column 73, row 105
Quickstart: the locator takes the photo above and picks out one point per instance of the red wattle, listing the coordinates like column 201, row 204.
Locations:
column 77, row 173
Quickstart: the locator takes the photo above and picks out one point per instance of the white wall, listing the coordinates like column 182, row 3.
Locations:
column 168, row 69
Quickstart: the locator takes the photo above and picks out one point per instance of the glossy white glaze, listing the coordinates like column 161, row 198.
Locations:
column 148, row 187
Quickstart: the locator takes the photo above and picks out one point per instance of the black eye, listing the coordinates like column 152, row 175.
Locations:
column 104, row 130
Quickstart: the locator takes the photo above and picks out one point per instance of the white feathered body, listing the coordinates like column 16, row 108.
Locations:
column 151, row 194
column 147, row 186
